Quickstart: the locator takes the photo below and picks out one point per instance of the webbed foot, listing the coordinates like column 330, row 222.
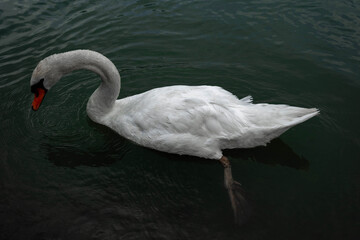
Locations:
column 236, row 193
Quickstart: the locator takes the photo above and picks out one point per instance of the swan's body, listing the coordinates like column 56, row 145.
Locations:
column 199, row 120
column 191, row 120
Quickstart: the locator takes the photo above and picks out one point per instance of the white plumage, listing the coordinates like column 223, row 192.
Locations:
column 200, row 120
column 191, row 120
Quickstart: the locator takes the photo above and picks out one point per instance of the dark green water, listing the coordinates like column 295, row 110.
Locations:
column 64, row 177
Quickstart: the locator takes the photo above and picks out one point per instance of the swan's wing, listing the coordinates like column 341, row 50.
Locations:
column 201, row 111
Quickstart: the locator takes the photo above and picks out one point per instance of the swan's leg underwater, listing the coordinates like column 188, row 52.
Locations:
column 236, row 194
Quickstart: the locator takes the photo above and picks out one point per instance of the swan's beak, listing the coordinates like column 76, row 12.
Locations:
column 39, row 96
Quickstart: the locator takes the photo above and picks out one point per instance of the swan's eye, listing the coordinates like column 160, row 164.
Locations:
column 35, row 87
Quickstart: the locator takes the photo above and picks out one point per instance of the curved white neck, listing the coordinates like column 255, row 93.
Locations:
column 102, row 100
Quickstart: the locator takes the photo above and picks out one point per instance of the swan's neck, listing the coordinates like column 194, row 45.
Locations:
column 102, row 100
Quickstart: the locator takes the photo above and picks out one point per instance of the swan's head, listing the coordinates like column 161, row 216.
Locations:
column 45, row 75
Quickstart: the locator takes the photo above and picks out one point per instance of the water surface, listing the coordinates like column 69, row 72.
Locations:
column 64, row 177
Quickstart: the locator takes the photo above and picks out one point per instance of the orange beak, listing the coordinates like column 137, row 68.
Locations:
column 39, row 96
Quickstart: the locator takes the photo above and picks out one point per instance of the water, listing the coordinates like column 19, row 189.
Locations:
column 64, row 177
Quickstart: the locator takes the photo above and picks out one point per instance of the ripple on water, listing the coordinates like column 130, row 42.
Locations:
column 304, row 53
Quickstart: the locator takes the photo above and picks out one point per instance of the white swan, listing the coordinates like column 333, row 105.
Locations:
column 191, row 120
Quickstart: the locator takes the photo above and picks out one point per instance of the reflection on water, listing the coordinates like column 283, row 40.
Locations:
column 73, row 157
column 274, row 153
column 62, row 153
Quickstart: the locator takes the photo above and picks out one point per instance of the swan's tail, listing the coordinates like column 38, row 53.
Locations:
column 278, row 115
column 295, row 115
column 269, row 121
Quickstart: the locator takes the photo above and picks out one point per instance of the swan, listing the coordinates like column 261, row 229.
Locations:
column 187, row 120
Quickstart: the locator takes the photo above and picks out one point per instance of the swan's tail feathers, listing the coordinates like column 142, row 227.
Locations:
column 296, row 115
